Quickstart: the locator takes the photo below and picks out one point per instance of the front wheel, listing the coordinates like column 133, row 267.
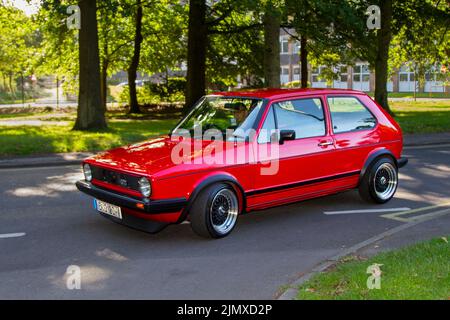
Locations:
column 214, row 212
column 380, row 181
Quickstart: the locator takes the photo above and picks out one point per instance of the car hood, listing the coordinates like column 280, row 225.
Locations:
column 153, row 157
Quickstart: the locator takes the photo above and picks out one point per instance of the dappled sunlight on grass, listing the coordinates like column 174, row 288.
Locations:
column 24, row 140
column 423, row 116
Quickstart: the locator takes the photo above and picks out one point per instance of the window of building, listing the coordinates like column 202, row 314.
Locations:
column 405, row 74
column 296, row 46
column 361, row 72
column 304, row 116
column 343, row 73
column 284, row 45
column 349, row 114
column 284, row 71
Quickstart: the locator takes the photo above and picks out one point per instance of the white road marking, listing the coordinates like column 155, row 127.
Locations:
column 401, row 216
column 366, row 211
column 12, row 235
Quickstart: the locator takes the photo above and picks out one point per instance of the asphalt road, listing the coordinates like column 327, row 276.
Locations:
column 266, row 250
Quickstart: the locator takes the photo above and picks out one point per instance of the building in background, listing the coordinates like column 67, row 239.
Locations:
column 357, row 77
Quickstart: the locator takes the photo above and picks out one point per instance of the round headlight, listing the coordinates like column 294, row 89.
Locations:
column 87, row 172
column 145, row 187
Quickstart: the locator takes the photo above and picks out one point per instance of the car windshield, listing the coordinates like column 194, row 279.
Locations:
column 233, row 117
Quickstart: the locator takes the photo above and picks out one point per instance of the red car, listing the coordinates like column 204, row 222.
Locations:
column 236, row 152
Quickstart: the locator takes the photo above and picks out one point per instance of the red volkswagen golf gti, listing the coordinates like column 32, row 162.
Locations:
column 236, row 152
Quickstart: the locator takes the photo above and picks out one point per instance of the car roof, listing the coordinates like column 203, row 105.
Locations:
column 283, row 93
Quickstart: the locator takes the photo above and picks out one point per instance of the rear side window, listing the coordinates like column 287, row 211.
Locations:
column 305, row 116
column 349, row 114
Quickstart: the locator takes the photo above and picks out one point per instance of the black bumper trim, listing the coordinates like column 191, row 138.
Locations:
column 150, row 206
column 402, row 162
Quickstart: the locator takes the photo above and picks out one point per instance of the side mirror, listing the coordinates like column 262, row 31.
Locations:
column 286, row 135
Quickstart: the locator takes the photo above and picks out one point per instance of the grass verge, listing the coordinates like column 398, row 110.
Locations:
column 422, row 116
column 420, row 271
column 26, row 140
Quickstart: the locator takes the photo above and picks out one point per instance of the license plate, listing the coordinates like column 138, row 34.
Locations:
column 108, row 208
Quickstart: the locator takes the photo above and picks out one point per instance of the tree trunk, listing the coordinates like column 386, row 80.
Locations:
column 90, row 113
column 303, row 62
column 271, row 64
column 132, row 70
column 103, row 84
column 196, row 60
column 11, row 87
column 381, row 62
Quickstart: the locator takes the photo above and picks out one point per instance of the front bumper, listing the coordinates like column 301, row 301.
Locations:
column 142, row 205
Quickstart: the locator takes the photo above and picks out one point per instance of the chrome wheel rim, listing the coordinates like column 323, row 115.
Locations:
column 224, row 211
column 385, row 181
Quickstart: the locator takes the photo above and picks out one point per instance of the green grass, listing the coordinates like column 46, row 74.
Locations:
column 410, row 95
column 421, row 271
column 422, row 116
column 26, row 140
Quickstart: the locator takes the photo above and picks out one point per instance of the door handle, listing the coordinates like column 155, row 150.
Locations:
column 325, row 143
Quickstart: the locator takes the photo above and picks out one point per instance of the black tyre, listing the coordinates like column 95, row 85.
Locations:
column 214, row 212
column 380, row 181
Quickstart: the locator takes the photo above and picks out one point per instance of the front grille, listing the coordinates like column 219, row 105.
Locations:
column 114, row 177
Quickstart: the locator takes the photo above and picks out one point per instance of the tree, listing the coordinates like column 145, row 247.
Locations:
column 90, row 114
column 422, row 41
column 384, row 37
column 416, row 18
column 58, row 51
column 271, row 66
column 132, row 69
column 326, row 29
column 209, row 19
column 18, row 42
column 115, row 23
column 196, row 55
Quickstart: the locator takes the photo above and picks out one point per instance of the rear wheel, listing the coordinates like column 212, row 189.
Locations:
column 214, row 212
column 380, row 181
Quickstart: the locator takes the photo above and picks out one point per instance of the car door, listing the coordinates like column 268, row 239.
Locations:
column 303, row 162
column 353, row 129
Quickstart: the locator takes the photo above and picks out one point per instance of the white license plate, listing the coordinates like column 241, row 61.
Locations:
column 108, row 208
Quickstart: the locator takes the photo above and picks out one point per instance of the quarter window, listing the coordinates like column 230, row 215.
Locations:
column 304, row 116
column 349, row 114
column 268, row 128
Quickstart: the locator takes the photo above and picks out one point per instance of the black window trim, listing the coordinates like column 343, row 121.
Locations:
column 362, row 103
column 263, row 120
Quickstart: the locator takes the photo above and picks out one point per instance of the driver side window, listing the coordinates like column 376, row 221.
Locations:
column 305, row 116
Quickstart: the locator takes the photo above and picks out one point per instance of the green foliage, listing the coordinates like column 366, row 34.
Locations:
column 58, row 49
column 18, row 41
column 171, row 90
column 422, row 40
